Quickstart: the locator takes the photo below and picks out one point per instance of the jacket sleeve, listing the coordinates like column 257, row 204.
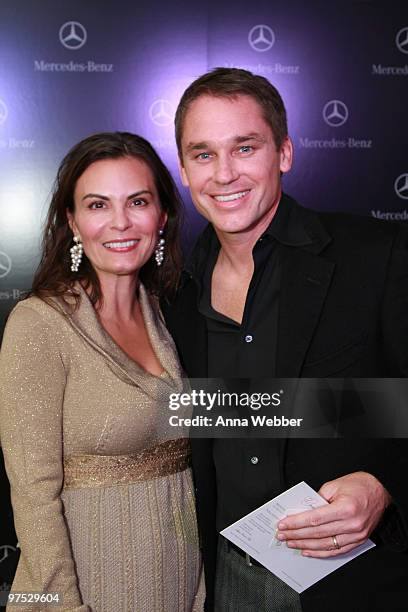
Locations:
column 394, row 526
column 32, row 383
column 395, row 307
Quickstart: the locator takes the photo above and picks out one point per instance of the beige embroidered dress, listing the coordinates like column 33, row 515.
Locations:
column 102, row 496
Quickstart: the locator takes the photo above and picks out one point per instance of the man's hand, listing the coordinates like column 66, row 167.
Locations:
column 356, row 504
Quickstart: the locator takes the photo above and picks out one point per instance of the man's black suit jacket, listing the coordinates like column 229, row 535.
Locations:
column 343, row 312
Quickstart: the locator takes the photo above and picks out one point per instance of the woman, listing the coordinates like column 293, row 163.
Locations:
column 102, row 496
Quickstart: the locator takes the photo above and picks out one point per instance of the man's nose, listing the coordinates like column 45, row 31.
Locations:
column 225, row 170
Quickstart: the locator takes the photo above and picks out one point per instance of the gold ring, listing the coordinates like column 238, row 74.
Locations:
column 335, row 542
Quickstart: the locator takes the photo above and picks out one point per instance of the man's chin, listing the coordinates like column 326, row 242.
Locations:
column 230, row 227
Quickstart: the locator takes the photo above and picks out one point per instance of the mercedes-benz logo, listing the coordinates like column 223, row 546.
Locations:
column 5, row 265
column 5, row 551
column 3, row 112
column 161, row 112
column 72, row 35
column 401, row 40
column 401, row 186
column 261, row 38
column 335, row 113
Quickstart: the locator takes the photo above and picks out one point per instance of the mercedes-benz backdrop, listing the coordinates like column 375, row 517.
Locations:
column 71, row 68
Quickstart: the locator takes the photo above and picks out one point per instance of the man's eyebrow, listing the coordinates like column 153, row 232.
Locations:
column 252, row 136
column 196, row 146
column 102, row 197
column 199, row 146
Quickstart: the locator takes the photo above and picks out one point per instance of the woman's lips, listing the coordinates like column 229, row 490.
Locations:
column 121, row 246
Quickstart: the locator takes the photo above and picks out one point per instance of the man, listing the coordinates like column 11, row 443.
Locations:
column 275, row 290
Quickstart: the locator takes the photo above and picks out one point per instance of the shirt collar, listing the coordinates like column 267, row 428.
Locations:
column 287, row 227
column 287, row 224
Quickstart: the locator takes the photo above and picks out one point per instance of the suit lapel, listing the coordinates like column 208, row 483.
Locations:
column 305, row 280
column 188, row 328
column 193, row 342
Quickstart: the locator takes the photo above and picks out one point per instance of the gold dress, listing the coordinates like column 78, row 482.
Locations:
column 102, row 495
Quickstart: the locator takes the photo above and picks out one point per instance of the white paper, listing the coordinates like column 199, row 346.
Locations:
column 255, row 534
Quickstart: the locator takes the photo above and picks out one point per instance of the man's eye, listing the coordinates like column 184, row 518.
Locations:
column 246, row 149
column 203, row 156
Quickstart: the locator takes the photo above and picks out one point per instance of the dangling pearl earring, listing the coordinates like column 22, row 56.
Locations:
column 76, row 254
column 159, row 252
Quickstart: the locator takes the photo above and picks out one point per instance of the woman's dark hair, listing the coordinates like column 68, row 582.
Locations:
column 54, row 276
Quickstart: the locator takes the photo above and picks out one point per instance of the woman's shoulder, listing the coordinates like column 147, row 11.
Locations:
column 35, row 323
column 35, row 309
column 33, row 304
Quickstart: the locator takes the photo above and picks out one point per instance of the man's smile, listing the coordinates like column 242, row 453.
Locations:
column 231, row 197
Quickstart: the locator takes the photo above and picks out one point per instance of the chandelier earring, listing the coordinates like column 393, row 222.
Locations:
column 159, row 252
column 76, row 254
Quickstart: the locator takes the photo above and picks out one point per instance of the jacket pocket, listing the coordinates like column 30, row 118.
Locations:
column 337, row 360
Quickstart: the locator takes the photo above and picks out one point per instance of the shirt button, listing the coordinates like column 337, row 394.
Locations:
column 254, row 460
column 248, row 338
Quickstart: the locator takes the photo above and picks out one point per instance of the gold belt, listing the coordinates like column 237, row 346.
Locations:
column 104, row 470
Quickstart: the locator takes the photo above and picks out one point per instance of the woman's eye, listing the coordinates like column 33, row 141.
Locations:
column 138, row 202
column 98, row 204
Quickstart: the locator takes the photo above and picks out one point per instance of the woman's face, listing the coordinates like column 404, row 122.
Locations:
column 117, row 215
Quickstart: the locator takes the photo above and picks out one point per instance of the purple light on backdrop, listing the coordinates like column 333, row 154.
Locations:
column 132, row 66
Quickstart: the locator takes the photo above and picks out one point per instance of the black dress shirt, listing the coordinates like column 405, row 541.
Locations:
column 248, row 351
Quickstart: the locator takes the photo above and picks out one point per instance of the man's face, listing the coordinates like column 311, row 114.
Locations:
column 230, row 163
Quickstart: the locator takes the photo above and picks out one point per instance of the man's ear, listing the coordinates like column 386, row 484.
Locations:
column 286, row 155
column 183, row 173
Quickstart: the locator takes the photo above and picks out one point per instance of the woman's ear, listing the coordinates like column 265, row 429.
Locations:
column 163, row 220
column 71, row 222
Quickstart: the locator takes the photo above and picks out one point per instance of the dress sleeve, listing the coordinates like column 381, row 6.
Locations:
column 32, row 383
